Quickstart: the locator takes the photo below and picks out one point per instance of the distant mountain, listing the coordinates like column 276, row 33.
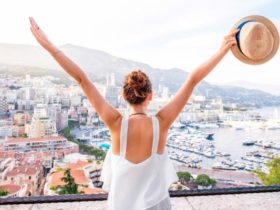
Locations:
column 96, row 63
column 272, row 89
column 241, row 96
column 21, row 59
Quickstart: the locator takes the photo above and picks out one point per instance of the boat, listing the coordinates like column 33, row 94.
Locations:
column 210, row 136
column 249, row 142
column 204, row 125
column 209, row 154
column 239, row 128
column 266, row 144
column 240, row 165
column 273, row 127
column 220, row 154
column 178, row 125
column 223, row 167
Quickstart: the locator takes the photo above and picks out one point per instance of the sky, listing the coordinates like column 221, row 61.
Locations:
column 162, row 33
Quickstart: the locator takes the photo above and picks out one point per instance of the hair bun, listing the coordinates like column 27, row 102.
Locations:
column 137, row 80
column 137, row 86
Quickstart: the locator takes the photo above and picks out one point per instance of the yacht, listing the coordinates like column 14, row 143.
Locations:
column 223, row 167
column 178, row 125
column 249, row 142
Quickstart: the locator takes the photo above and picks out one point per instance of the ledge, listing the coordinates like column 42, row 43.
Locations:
column 103, row 197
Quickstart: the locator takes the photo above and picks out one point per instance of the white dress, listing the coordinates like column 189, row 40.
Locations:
column 138, row 186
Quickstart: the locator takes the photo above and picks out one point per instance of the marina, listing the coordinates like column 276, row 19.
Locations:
column 213, row 146
column 229, row 149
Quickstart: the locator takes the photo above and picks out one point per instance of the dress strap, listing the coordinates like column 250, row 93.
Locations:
column 155, row 134
column 123, row 135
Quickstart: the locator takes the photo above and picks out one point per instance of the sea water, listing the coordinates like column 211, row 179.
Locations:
column 229, row 140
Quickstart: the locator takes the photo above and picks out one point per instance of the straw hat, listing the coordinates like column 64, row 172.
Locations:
column 257, row 40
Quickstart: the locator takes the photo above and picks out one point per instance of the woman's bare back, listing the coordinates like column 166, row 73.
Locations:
column 139, row 139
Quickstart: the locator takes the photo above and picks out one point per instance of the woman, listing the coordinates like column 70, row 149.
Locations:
column 137, row 171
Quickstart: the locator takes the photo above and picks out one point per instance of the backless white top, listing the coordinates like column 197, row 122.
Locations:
column 137, row 186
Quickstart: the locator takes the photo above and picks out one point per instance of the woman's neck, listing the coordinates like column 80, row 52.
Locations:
column 137, row 109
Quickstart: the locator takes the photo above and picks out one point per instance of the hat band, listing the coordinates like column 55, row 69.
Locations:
column 237, row 36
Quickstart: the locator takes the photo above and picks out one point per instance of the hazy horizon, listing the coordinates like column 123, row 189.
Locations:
column 164, row 34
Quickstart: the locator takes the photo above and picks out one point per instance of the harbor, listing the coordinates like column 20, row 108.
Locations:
column 229, row 149
column 222, row 145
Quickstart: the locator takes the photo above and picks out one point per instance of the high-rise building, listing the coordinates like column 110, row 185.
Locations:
column 65, row 102
column 3, row 105
column 54, row 111
column 62, row 120
column 40, row 127
column 5, row 128
column 41, row 124
column 76, row 100
column 111, row 80
column 165, row 92
column 20, row 118
column 12, row 95
column 111, row 95
column 40, row 111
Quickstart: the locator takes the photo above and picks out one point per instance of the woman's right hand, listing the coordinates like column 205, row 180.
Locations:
column 41, row 37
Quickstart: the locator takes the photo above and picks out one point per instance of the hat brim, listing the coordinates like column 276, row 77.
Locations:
column 238, row 54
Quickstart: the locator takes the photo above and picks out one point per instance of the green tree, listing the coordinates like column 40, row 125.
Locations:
column 71, row 186
column 205, row 180
column 85, row 149
column 3, row 192
column 72, row 124
column 184, row 176
column 273, row 175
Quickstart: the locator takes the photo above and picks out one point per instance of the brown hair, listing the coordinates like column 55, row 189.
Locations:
column 136, row 87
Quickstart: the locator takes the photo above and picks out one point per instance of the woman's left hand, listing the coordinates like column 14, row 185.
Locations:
column 229, row 41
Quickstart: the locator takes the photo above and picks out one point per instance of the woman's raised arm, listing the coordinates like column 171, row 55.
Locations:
column 107, row 113
column 172, row 109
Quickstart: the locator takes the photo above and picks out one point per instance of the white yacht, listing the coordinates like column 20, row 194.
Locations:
column 249, row 142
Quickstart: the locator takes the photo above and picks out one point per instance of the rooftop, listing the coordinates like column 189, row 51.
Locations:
column 28, row 170
column 11, row 188
column 29, row 140
column 78, row 175
column 36, row 139
column 254, row 198
column 79, row 164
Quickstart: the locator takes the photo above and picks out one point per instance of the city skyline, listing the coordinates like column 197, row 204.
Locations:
column 46, row 128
